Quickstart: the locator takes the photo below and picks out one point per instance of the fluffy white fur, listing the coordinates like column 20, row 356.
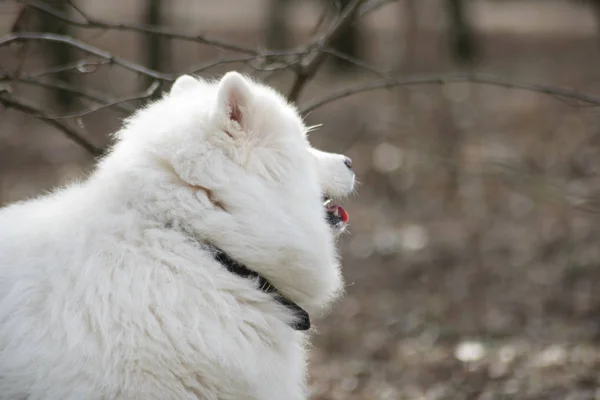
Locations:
column 106, row 290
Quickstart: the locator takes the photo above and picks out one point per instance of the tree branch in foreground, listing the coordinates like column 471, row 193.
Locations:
column 80, row 91
column 373, row 5
column 50, row 37
column 309, row 68
column 71, row 133
column 109, row 58
column 92, row 23
column 139, row 96
column 444, row 79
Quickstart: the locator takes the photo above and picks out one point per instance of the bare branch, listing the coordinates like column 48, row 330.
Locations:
column 77, row 9
column 322, row 18
column 71, row 133
column 81, row 66
column 90, row 22
column 109, row 58
column 443, row 79
column 140, row 96
column 49, row 37
column 358, row 63
column 76, row 90
column 266, row 59
column 312, row 63
column 373, row 5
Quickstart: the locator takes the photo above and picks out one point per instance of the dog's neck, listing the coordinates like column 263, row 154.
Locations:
column 302, row 319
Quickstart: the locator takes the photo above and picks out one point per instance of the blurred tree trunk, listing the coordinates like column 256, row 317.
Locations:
column 463, row 44
column 155, row 46
column 278, row 35
column 463, row 49
column 408, row 36
column 449, row 144
column 596, row 8
column 57, row 53
column 347, row 42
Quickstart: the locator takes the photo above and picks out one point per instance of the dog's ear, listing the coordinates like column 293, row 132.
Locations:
column 184, row 82
column 234, row 97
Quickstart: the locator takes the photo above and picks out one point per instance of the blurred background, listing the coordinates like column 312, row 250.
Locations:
column 473, row 258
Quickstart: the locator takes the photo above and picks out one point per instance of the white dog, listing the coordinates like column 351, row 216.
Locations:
column 186, row 266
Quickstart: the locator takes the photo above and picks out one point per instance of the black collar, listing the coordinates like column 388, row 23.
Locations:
column 302, row 322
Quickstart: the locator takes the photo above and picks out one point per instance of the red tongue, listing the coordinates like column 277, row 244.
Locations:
column 343, row 214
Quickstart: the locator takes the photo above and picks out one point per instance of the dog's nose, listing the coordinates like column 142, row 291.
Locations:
column 348, row 162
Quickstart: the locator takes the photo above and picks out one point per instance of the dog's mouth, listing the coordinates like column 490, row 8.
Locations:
column 336, row 215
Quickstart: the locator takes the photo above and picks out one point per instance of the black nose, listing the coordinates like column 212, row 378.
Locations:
column 348, row 162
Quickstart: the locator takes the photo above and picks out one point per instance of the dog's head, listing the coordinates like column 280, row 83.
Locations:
column 232, row 159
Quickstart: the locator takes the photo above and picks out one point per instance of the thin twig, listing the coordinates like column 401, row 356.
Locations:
column 76, row 90
column 309, row 68
column 359, row 63
column 78, row 65
column 90, row 22
column 443, row 79
column 247, row 59
column 140, row 96
column 320, row 21
column 76, row 136
column 76, row 8
column 50, row 37
column 109, row 58
column 373, row 5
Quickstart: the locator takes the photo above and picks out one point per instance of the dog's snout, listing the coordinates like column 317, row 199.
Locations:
column 348, row 162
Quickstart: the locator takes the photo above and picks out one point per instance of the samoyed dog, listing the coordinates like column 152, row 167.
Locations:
column 189, row 263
